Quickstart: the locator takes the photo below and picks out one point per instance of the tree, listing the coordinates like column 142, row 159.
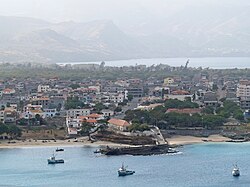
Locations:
column 215, row 87
column 138, row 127
column 99, row 107
column 130, row 97
column 86, row 129
column 14, row 131
column 73, row 103
column 208, row 110
column 175, row 103
column 3, row 128
column 74, row 86
column 118, row 109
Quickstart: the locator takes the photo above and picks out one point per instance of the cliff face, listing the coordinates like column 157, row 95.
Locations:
column 122, row 139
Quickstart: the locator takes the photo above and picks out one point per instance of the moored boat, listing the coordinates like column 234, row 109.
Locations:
column 123, row 171
column 236, row 171
column 59, row 149
column 53, row 160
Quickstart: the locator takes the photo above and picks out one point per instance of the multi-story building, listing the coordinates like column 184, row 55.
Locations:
column 243, row 93
column 43, row 88
column 78, row 112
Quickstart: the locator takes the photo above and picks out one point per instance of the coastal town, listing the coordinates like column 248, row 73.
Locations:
column 189, row 102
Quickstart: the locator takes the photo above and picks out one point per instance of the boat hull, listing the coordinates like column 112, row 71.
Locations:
column 57, row 150
column 122, row 173
column 55, row 161
column 236, row 173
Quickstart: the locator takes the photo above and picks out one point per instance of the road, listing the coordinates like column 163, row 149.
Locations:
column 130, row 106
column 158, row 135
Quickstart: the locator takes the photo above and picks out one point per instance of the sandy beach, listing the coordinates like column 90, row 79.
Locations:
column 83, row 141
column 184, row 140
column 58, row 143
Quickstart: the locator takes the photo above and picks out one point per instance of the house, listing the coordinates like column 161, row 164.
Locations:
column 95, row 116
column 107, row 112
column 8, row 91
column 43, row 88
column 2, row 116
column 44, row 101
column 168, row 81
column 210, row 99
column 30, row 111
column 118, row 124
column 10, row 115
column 49, row 113
column 78, row 112
column 72, row 131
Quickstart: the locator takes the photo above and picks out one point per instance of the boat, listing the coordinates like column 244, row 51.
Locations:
column 97, row 151
column 123, row 171
column 53, row 160
column 59, row 149
column 236, row 171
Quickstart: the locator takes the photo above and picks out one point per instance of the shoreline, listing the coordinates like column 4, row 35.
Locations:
column 180, row 140
column 82, row 142
column 177, row 140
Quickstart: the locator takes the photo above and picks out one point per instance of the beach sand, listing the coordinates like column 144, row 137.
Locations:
column 184, row 140
column 83, row 141
column 58, row 143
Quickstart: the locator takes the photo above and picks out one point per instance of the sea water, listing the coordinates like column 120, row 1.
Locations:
column 207, row 164
column 210, row 62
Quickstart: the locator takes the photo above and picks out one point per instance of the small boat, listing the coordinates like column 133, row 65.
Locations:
column 53, row 160
column 97, row 151
column 59, row 149
column 123, row 171
column 236, row 171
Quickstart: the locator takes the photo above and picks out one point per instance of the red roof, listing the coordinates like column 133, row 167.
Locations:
column 94, row 115
column 180, row 92
column 118, row 122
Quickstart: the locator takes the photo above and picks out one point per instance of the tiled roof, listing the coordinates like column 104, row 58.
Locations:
column 118, row 122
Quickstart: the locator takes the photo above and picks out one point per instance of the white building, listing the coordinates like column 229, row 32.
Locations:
column 78, row 112
column 107, row 112
column 49, row 113
column 117, row 98
column 243, row 92
column 243, row 89
column 43, row 88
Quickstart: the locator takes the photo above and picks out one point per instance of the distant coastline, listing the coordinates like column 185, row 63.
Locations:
column 204, row 62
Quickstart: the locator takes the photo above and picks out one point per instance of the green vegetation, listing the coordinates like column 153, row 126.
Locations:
column 172, row 120
column 12, row 130
column 174, row 103
column 99, row 107
column 86, row 129
column 138, row 127
column 118, row 109
column 130, row 97
column 73, row 103
column 8, row 70
column 230, row 109
column 74, row 86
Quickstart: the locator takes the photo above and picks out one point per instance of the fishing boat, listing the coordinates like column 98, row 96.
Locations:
column 59, row 149
column 53, row 160
column 236, row 171
column 123, row 171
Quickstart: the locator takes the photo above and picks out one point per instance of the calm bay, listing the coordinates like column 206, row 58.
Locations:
column 207, row 164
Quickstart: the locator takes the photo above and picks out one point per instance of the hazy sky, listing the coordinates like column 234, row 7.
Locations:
column 87, row 10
